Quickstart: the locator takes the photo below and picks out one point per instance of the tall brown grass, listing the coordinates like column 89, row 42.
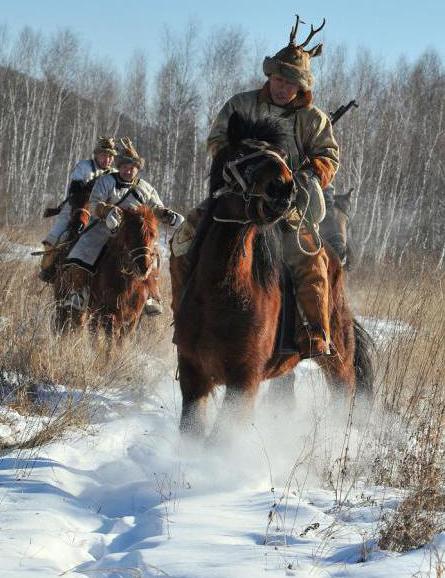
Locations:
column 408, row 450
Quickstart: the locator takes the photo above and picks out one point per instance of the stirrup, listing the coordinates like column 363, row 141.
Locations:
column 153, row 307
column 311, row 346
column 77, row 300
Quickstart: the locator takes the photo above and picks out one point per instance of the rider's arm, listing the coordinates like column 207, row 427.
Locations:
column 320, row 145
column 100, row 194
column 149, row 194
column 218, row 133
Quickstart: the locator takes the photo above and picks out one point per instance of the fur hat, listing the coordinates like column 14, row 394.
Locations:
column 105, row 144
column 128, row 154
column 293, row 62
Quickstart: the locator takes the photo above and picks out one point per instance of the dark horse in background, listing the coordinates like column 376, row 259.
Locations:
column 334, row 229
column 127, row 274
column 227, row 316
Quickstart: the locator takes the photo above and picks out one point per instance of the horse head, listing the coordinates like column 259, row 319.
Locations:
column 334, row 227
column 250, row 174
column 79, row 196
column 136, row 239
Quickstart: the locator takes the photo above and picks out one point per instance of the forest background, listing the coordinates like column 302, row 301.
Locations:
column 56, row 99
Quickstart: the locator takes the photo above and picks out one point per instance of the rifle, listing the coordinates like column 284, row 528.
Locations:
column 341, row 110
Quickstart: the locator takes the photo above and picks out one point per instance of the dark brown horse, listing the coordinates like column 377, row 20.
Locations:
column 126, row 275
column 227, row 315
column 334, row 229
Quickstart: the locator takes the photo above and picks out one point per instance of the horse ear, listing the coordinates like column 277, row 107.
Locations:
column 344, row 202
column 235, row 129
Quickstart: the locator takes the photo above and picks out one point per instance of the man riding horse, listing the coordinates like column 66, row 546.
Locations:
column 84, row 175
column 312, row 155
column 111, row 193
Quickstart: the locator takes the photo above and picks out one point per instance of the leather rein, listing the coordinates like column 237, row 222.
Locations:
column 236, row 184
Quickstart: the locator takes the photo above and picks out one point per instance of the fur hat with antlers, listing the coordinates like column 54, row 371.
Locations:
column 105, row 144
column 293, row 62
column 128, row 154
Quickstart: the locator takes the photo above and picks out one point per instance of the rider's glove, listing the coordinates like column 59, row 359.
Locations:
column 102, row 209
column 114, row 219
column 172, row 218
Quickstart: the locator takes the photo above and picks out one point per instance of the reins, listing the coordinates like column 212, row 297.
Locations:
column 236, row 184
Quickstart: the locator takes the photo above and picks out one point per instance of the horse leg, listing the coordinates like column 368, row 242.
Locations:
column 339, row 372
column 195, row 388
column 237, row 408
column 281, row 390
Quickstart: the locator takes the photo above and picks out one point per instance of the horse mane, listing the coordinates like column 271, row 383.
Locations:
column 79, row 194
column 267, row 241
column 268, row 259
column 143, row 217
column 240, row 128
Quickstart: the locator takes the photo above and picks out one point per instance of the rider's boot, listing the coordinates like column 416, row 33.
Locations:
column 47, row 264
column 78, row 288
column 310, row 277
column 153, row 306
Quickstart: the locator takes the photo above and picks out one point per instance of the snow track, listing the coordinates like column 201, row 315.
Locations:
column 128, row 498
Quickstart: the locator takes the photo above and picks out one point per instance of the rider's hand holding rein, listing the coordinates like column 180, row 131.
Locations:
column 111, row 214
column 170, row 217
column 309, row 198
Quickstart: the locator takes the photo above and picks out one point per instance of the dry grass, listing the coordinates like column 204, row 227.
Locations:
column 408, row 450
column 35, row 362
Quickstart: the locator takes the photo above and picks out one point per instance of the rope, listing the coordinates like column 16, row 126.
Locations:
column 310, row 226
column 238, row 221
column 231, row 173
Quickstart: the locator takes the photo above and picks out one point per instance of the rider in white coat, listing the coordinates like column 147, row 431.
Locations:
column 110, row 194
column 84, row 174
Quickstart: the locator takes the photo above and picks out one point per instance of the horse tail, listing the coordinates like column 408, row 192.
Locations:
column 363, row 365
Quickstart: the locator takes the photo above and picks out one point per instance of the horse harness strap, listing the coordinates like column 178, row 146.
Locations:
column 231, row 174
column 236, row 184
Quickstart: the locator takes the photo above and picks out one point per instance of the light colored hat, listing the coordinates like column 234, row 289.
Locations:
column 128, row 154
column 293, row 62
column 105, row 144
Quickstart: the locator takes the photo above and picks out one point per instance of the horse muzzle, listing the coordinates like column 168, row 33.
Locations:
column 268, row 211
column 144, row 263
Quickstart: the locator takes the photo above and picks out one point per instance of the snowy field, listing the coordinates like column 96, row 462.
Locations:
column 128, row 498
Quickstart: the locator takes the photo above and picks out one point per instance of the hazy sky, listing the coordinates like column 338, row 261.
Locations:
column 115, row 28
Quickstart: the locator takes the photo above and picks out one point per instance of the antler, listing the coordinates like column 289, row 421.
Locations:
column 128, row 145
column 293, row 32
column 312, row 33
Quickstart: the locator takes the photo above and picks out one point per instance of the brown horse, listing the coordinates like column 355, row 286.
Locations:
column 227, row 315
column 127, row 273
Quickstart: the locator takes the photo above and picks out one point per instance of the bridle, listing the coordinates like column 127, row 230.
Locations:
column 138, row 253
column 235, row 182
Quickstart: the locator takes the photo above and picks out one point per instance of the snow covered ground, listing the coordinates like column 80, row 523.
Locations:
column 16, row 251
column 129, row 499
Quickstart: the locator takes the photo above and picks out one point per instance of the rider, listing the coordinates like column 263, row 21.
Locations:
column 85, row 173
column 312, row 156
column 111, row 192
